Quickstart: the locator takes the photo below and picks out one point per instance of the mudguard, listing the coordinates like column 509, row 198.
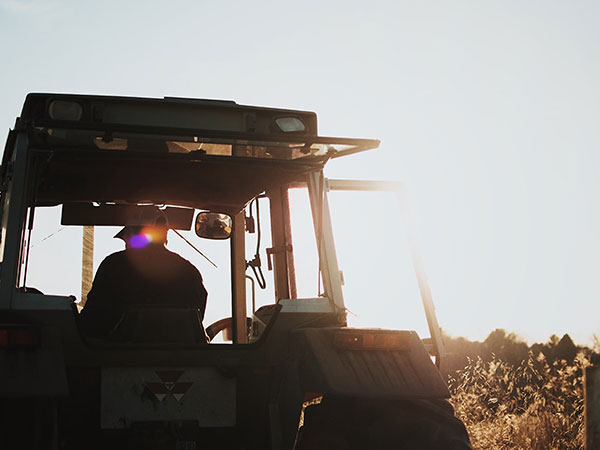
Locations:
column 38, row 372
column 330, row 365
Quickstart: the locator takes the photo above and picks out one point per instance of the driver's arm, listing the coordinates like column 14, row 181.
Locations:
column 199, row 293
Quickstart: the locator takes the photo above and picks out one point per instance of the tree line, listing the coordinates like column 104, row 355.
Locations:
column 510, row 348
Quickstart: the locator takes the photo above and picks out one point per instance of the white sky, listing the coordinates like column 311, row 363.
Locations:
column 487, row 110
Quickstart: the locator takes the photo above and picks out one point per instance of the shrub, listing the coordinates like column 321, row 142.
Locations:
column 535, row 405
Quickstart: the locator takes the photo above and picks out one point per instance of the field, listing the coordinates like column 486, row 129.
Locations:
column 534, row 401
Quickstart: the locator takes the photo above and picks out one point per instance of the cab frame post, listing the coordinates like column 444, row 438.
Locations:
column 332, row 278
column 13, row 218
column 238, row 277
column 281, row 242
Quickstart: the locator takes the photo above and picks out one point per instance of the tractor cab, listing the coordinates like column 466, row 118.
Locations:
column 219, row 176
column 99, row 163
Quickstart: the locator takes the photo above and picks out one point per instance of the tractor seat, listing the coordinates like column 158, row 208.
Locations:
column 160, row 324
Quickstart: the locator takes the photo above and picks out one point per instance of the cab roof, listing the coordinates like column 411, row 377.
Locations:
column 181, row 125
column 211, row 154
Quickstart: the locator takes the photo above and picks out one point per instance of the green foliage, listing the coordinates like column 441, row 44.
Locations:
column 534, row 403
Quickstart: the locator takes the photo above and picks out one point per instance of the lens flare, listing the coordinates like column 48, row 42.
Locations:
column 140, row 240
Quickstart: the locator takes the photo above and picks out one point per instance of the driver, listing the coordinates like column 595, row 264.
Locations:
column 145, row 273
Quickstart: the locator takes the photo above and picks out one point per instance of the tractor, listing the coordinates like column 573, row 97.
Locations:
column 278, row 366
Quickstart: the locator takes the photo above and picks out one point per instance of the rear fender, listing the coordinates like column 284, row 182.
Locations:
column 370, row 363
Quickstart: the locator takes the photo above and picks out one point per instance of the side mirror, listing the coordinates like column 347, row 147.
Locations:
column 210, row 225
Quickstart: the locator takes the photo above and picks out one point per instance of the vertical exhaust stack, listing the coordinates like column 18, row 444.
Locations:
column 87, row 264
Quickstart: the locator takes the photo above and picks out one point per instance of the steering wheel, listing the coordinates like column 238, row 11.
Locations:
column 224, row 324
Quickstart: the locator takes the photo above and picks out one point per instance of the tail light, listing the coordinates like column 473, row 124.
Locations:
column 18, row 336
column 372, row 340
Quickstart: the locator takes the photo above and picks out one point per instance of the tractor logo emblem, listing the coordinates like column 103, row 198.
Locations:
column 169, row 385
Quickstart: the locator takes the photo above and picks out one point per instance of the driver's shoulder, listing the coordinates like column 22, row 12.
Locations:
column 116, row 256
column 182, row 264
column 114, row 261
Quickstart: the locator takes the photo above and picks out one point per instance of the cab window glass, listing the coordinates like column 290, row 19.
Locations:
column 54, row 263
column 380, row 286
column 306, row 261
column 260, row 289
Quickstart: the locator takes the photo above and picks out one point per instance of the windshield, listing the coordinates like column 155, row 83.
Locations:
column 380, row 287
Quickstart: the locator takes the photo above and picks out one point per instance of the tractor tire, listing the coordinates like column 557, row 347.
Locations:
column 28, row 424
column 343, row 423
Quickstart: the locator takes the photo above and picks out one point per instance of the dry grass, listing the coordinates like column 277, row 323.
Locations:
column 536, row 405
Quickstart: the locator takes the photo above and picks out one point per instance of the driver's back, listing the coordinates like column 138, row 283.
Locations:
column 138, row 286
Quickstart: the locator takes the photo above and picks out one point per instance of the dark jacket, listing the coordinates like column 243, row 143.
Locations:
column 151, row 276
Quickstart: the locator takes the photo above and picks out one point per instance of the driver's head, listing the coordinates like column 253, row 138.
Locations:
column 141, row 236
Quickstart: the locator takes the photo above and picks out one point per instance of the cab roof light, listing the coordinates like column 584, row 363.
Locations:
column 372, row 340
column 18, row 337
column 290, row 124
column 65, row 110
